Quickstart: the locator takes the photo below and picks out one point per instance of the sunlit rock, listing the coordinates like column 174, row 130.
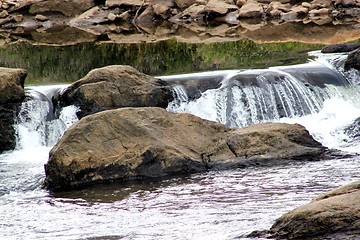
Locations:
column 140, row 143
column 251, row 9
column 220, row 7
column 114, row 87
column 68, row 8
column 332, row 215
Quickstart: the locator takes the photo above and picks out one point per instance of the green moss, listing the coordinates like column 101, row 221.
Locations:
column 60, row 64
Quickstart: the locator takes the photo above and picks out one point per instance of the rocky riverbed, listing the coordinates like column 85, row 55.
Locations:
column 71, row 22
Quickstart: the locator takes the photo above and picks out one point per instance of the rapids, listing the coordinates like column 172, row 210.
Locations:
column 214, row 205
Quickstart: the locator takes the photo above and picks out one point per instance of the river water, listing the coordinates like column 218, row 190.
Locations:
column 213, row 205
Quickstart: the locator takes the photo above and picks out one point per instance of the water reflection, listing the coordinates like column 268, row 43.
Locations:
column 54, row 64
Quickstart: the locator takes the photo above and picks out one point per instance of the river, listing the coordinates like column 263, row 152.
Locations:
column 214, row 205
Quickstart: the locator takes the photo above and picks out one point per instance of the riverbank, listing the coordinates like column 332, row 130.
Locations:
column 74, row 22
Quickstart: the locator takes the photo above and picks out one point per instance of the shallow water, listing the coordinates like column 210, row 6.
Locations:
column 213, row 205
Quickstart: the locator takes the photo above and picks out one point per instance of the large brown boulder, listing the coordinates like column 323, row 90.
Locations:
column 11, row 95
column 333, row 215
column 116, row 86
column 138, row 143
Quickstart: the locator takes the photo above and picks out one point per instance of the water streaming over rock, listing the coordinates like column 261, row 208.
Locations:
column 253, row 96
column 213, row 205
column 36, row 123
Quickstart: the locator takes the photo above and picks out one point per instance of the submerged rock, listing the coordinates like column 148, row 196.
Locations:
column 138, row 143
column 115, row 87
column 11, row 95
column 332, row 215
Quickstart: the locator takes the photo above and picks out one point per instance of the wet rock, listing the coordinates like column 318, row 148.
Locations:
column 112, row 17
column 251, row 9
column 6, row 20
column 332, row 215
column 115, row 87
column 139, row 143
column 353, row 60
column 275, row 9
column 66, row 7
column 17, row 17
column 11, row 96
column 146, row 16
column 184, row 3
column 319, row 12
column 348, row 3
column 193, row 13
column 300, row 10
column 11, row 84
column 62, row 36
column 219, row 6
column 322, row 3
column 4, row 14
column 162, row 10
column 92, row 16
column 121, row 3
column 338, row 48
column 41, row 17
column 240, row 3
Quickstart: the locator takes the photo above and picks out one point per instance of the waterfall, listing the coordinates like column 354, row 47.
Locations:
column 244, row 97
column 36, row 124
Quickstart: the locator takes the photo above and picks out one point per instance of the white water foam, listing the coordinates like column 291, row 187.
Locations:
column 327, row 126
column 33, row 127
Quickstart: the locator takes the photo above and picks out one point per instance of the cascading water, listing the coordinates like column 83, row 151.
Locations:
column 254, row 96
column 223, row 205
column 36, row 124
column 296, row 93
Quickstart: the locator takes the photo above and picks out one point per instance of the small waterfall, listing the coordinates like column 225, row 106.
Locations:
column 180, row 96
column 245, row 97
column 36, row 124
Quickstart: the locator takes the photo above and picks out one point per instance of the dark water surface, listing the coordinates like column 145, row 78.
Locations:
column 59, row 64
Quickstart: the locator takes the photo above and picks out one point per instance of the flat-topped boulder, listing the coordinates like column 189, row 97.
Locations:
column 116, row 86
column 332, row 215
column 142, row 143
column 11, row 95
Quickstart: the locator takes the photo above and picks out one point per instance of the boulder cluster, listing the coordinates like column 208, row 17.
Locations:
column 113, row 19
column 125, row 133
column 90, row 11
